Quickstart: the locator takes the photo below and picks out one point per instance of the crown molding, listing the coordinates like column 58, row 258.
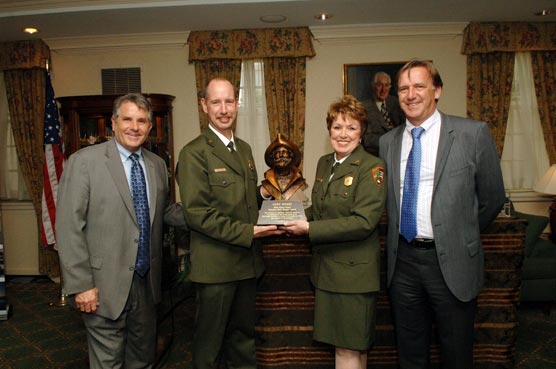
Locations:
column 365, row 32
column 120, row 42
column 323, row 34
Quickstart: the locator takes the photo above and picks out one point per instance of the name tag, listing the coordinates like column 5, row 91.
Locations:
column 219, row 170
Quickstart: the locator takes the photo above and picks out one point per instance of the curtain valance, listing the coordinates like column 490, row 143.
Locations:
column 23, row 54
column 479, row 38
column 250, row 44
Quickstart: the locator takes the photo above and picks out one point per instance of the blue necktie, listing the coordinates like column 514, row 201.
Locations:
column 141, row 205
column 408, row 226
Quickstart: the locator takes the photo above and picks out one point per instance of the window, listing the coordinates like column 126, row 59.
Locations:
column 524, row 159
column 12, row 185
column 252, row 121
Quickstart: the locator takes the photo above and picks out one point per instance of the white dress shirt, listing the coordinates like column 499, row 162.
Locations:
column 223, row 138
column 127, row 162
column 429, row 150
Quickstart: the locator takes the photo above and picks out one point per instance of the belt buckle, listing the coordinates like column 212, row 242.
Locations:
column 423, row 243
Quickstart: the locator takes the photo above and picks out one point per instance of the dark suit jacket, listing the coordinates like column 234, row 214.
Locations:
column 343, row 223
column 377, row 126
column 468, row 195
column 219, row 195
column 96, row 227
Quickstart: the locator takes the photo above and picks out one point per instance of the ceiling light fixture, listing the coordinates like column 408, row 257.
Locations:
column 323, row 16
column 273, row 18
column 545, row 12
column 30, row 30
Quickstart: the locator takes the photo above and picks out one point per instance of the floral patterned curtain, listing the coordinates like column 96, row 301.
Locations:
column 544, row 74
column 23, row 54
column 23, row 63
column 215, row 53
column 490, row 50
column 489, row 90
column 285, row 98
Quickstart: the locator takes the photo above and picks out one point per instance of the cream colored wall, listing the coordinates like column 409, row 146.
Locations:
column 20, row 238
column 165, row 69
column 76, row 70
column 369, row 44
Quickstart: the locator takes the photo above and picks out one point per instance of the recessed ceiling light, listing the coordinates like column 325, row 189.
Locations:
column 30, row 30
column 323, row 16
column 273, row 18
column 545, row 12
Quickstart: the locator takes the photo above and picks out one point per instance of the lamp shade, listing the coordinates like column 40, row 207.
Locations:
column 547, row 184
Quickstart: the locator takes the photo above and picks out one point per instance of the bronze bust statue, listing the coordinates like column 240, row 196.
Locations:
column 284, row 180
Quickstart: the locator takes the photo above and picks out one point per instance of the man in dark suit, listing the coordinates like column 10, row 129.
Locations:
column 111, row 204
column 445, row 187
column 218, row 187
column 383, row 110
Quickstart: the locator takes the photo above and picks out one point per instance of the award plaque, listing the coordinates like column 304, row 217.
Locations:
column 278, row 212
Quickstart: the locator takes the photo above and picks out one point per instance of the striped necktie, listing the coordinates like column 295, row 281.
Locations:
column 386, row 115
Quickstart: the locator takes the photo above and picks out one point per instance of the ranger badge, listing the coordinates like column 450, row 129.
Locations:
column 378, row 175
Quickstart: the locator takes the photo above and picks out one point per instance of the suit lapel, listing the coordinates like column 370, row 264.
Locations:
column 325, row 173
column 444, row 146
column 222, row 152
column 151, row 175
column 117, row 172
column 395, row 154
column 378, row 113
column 348, row 166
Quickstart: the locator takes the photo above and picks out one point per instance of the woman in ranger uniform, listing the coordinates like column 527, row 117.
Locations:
column 348, row 199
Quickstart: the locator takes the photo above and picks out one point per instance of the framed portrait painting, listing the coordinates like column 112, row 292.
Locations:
column 358, row 78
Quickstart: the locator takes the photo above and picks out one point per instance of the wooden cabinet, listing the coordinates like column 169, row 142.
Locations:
column 87, row 121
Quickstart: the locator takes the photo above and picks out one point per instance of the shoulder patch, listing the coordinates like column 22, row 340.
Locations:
column 378, row 175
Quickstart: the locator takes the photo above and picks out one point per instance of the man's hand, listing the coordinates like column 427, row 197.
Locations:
column 265, row 194
column 264, row 231
column 87, row 301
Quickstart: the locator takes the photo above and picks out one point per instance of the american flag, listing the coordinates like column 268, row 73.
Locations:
column 52, row 166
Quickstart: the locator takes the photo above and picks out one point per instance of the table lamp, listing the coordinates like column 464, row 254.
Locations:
column 547, row 185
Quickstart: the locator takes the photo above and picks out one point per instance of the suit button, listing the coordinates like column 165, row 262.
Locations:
column 136, row 241
column 224, row 182
column 131, row 268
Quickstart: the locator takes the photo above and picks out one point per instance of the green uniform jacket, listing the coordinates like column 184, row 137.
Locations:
column 344, row 216
column 219, row 194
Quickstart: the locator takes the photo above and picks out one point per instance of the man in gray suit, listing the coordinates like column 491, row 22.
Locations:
column 383, row 110
column 109, row 245
column 445, row 187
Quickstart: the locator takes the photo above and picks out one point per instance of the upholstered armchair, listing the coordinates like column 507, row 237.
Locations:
column 539, row 264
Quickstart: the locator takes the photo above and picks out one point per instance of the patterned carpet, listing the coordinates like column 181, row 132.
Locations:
column 41, row 336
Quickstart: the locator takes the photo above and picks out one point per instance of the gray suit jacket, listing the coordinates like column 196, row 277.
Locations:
column 377, row 126
column 468, row 194
column 96, row 227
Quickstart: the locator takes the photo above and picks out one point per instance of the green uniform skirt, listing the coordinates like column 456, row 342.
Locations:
column 345, row 320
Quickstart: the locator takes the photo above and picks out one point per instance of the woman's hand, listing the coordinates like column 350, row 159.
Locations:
column 298, row 227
